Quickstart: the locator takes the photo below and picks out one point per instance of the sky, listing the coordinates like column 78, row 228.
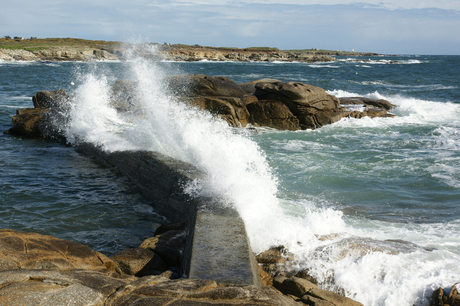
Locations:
column 387, row 27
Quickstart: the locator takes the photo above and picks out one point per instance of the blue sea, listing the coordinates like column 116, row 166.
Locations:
column 340, row 198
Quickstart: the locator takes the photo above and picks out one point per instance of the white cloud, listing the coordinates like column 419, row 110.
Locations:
column 388, row 4
column 329, row 24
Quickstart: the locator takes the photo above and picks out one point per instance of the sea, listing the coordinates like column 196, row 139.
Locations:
column 369, row 207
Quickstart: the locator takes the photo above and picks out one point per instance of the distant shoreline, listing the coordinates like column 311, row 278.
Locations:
column 71, row 49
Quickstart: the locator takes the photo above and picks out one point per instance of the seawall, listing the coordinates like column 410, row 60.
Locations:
column 217, row 246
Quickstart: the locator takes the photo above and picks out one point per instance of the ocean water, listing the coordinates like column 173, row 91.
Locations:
column 340, row 198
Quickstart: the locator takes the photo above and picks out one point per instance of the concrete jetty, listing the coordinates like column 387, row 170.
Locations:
column 217, row 246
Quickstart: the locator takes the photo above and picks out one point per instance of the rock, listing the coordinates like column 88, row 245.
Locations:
column 373, row 108
column 206, row 85
column 179, row 226
column 86, row 288
column 172, row 256
column 160, row 291
column 250, row 87
column 50, row 99
column 319, row 297
column 305, row 274
column 273, row 255
column 168, row 243
column 267, row 279
column 29, row 122
column 46, row 120
column 298, row 286
column 58, row 288
column 381, row 103
column 310, row 293
column 296, row 95
column 274, row 114
column 139, row 262
column 219, row 95
column 23, row 250
column 310, row 104
column 441, row 298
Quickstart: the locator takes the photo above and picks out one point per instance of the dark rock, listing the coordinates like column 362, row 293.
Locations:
column 29, row 122
column 274, row 114
column 319, row 297
column 50, row 99
column 179, row 226
column 310, row 104
column 139, row 262
column 171, row 255
column 250, row 87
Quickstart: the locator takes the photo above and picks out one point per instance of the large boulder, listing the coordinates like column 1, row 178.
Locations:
column 311, row 294
column 23, row 250
column 273, row 114
column 219, row 95
column 29, row 122
column 45, row 120
column 50, row 99
column 310, row 104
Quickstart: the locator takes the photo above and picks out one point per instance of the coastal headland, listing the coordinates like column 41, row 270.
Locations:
column 71, row 49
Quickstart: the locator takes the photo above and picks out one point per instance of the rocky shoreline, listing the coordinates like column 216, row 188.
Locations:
column 160, row 53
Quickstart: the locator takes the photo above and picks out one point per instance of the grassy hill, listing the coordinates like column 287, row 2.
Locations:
column 48, row 43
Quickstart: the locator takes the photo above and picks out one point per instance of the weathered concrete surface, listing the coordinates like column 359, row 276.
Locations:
column 217, row 246
column 221, row 249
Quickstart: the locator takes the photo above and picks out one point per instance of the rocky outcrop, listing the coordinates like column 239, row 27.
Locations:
column 22, row 250
column 264, row 103
column 46, row 120
column 442, row 297
column 83, row 53
column 216, row 54
column 273, row 114
column 44, row 270
column 219, row 95
column 60, row 54
column 310, row 104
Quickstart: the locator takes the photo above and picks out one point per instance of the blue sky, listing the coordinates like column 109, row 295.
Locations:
column 390, row 27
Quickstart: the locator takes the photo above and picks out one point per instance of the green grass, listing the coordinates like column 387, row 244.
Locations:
column 46, row 43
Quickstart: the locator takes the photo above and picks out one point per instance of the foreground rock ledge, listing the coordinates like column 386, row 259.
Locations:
column 44, row 270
